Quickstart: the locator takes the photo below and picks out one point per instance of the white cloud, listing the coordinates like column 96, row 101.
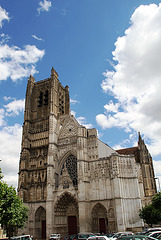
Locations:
column 82, row 121
column 13, row 108
column 4, row 38
column 8, row 98
column 2, row 115
column 10, row 138
column 157, row 170
column 135, row 83
column 72, row 101
column 3, row 16
column 37, row 38
column 111, row 107
column 17, row 63
column 44, row 6
column 73, row 113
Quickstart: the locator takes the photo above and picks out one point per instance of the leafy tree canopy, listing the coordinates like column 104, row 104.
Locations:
column 151, row 213
column 13, row 213
column 156, row 201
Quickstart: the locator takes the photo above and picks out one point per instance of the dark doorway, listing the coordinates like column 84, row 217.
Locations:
column 102, row 225
column 72, row 225
column 43, row 229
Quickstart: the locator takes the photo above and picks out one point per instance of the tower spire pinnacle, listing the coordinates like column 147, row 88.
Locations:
column 54, row 73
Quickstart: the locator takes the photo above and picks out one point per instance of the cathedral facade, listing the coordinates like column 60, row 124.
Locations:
column 70, row 180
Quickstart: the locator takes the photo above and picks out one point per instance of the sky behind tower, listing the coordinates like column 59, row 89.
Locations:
column 107, row 52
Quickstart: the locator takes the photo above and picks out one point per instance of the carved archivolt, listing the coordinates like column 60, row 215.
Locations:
column 66, row 203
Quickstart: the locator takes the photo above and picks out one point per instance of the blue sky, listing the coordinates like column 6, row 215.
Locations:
column 107, row 52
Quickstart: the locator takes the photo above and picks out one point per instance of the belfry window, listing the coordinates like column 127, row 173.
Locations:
column 43, row 98
column 61, row 104
column 46, row 98
column 40, row 100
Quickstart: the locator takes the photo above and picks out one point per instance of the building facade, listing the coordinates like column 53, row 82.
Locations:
column 70, row 180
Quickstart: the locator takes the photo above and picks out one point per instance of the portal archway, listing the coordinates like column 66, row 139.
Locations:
column 66, row 214
column 99, row 219
column 40, row 223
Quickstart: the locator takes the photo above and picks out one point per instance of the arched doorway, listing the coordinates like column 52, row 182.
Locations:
column 99, row 219
column 66, row 215
column 40, row 223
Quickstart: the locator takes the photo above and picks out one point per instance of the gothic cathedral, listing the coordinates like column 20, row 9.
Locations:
column 70, row 180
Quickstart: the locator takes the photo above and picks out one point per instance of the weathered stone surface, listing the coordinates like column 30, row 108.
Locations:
column 70, row 180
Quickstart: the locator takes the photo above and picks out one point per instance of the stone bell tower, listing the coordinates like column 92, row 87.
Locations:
column 46, row 100
column 70, row 180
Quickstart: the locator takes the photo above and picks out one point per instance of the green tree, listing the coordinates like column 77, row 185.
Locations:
column 13, row 213
column 156, row 201
column 150, row 214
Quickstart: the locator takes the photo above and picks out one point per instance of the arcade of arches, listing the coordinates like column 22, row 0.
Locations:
column 66, row 217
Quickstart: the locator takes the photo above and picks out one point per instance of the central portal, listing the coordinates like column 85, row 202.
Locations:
column 66, row 215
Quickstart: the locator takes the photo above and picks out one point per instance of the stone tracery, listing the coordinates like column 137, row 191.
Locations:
column 71, row 165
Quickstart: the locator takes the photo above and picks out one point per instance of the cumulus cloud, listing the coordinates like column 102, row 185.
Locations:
column 3, row 16
column 82, row 121
column 135, row 83
column 44, row 6
column 17, row 63
column 15, row 107
column 10, row 138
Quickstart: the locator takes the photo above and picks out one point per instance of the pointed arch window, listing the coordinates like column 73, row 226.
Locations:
column 71, row 165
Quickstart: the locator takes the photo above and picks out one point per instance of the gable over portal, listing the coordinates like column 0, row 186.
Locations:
column 69, row 127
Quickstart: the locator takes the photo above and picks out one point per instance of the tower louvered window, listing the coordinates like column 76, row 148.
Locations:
column 61, row 104
column 40, row 100
column 46, row 98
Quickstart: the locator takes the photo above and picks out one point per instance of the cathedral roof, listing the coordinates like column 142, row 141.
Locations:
column 128, row 151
